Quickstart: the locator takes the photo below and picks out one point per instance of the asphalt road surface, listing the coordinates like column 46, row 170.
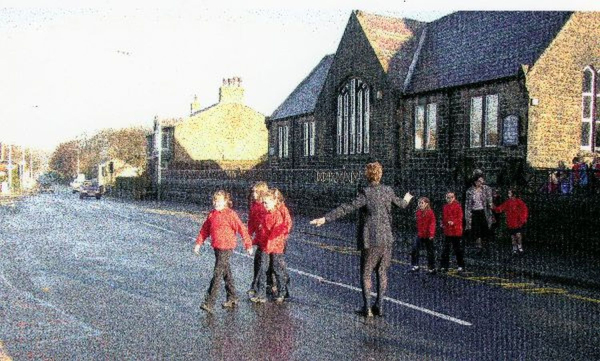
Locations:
column 106, row 279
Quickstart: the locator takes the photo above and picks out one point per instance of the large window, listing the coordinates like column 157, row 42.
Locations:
column 308, row 135
column 283, row 136
column 484, row 121
column 353, row 118
column 590, row 114
column 426, row 126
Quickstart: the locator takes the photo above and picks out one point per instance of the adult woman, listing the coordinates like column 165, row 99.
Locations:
column 478, row 210
column 374, row 232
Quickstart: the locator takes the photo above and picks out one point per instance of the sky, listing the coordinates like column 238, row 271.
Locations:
column 70, row 70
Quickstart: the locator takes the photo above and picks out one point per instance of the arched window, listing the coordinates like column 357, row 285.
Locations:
column 353, row 113
column 590, row 118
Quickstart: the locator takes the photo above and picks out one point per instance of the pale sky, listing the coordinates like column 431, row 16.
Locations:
column 69, row 69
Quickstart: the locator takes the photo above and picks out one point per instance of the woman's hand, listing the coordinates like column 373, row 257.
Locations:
column 318, row 221
column 197, row 249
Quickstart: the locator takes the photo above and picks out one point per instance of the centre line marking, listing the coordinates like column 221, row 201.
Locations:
column 324, row 280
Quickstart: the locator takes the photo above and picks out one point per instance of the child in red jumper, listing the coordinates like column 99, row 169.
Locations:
column 272, row 239
column 452, row 223
column 425, row 235
column 221, row 226
column 287, row 221
column 516, row 218
column 255, row 216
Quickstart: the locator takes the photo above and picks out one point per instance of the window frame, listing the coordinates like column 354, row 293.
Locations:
column 424, row 113
column 353, row 117
column 483, row 120
column 283, row 138
column 593, row 96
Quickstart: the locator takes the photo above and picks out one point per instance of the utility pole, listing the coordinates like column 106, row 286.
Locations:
column 10, row 167
column 22, row 169
column 158, row 149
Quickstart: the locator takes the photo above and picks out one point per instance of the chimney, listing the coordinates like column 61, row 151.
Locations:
column 231, row 91
column 194, row 106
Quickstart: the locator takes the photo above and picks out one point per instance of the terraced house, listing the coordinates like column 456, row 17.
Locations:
column 210, row 137
column 491, row 90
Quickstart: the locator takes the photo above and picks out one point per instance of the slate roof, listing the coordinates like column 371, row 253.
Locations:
column 304, row 98
column 469, row 47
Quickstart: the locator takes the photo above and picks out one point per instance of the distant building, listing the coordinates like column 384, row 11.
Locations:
column 225, row 135
column 109, row 170
column 492, row 90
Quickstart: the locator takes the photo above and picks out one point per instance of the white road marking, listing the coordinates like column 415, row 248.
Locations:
column 324, row 280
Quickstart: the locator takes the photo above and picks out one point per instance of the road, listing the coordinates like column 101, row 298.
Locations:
column 108, row 279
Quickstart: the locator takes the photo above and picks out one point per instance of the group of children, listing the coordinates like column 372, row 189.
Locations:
column 452, row 225
column 269, row 226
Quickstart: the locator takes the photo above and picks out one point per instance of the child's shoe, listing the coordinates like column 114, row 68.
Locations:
column 206, row 307
column 414, row 269
column 229, row 303
column 280, row 299
column 257, row 299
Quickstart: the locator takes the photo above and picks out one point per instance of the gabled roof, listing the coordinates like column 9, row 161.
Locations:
column 476, row 46
column 304, row 98
column 390, row 37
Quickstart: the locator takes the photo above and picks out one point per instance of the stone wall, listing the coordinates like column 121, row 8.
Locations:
column 555, row 83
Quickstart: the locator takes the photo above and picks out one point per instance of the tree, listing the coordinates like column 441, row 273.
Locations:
column 64, row 159
column 128, row 145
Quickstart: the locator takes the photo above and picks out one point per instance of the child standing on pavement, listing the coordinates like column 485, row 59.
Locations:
column 255, row 216
column 425, row 235
column 272, row 243
column 452, row 223
column 516, row 218
column 221, row 226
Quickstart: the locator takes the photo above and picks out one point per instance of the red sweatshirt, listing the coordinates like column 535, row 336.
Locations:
column 221, row 227
column 452, row 212
column 257, row 213
column 516, row 212
column 273, row 232
column 425, row 223
column 287, row 219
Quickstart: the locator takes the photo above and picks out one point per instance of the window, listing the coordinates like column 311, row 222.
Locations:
column 308, row 131
column 590, row 118
column 426, row 132
column 353, row 118
column 484, row 121
column 283, row 135
column 419, row 126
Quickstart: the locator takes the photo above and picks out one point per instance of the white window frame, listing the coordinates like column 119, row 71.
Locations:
column 420, row 124
column 305, row 139
column 593, row 102
column 308, row 138
column 485, row 115
column 280, row 141
column 353, row 116
column 311, row 134
column 425, row 118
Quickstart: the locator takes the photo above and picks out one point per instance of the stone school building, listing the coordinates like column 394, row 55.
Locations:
column 492, row 90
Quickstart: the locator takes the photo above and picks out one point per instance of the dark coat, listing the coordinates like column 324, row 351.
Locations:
column 375, row 215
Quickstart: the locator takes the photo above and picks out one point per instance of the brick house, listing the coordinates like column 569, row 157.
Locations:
column 491, row 90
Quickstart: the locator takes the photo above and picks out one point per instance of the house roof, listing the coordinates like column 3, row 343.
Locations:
column 469, row 47
column 304, row 98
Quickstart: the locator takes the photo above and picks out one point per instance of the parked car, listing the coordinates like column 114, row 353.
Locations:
column 77, row 183
column 46, row 188
column 90, row 189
